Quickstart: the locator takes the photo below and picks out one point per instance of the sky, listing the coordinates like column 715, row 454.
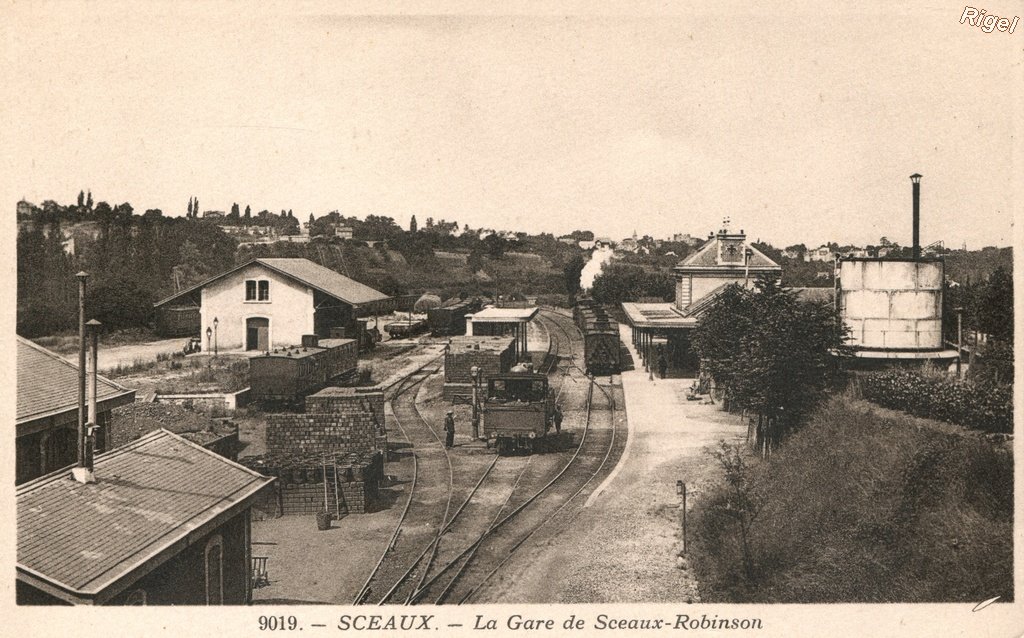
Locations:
column 799, row 125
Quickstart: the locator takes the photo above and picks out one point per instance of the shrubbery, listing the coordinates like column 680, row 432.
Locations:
column 859, row 507
column 985, row 407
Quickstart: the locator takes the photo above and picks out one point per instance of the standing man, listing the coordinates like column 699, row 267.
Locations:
column 557, row 418
column 449, row 430
column 662, row 365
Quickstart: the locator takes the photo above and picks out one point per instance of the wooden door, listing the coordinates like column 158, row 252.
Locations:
column 257, row 333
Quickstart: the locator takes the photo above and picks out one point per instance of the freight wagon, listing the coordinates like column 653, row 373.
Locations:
column 602, row 348
column 450, row 319
column 287, row 375
column 404, row 329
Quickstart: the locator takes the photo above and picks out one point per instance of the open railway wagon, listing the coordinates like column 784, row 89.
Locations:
column 602, row 348
column 450, row 319
column 405, row 328
column 516, row 411
column 287, row 375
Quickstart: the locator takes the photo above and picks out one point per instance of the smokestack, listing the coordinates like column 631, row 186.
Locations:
column 916, row 180
column 82, row 472
column 93, row 425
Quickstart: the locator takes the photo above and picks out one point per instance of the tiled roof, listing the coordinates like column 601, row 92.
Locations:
column 148, row 495
column 334, row 284
column 698, row 307
column 707, row 257
column 48, row 384
column 307, row 272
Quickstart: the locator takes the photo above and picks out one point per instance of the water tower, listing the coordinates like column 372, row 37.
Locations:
column 893, row 305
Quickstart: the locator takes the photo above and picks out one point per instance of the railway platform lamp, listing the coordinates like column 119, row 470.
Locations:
column 475, row 373
column 215, row 322
column 209, row 335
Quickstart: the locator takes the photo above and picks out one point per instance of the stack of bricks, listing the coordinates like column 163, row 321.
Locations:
column 337, row 421
column 493, row 355
column 301, row 489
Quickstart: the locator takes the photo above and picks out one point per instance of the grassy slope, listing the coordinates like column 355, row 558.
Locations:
column 865, row 505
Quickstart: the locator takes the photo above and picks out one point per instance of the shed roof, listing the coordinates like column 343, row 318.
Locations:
column 48, row 384
column 502, row 315
column 152, row 498
column 306, row 272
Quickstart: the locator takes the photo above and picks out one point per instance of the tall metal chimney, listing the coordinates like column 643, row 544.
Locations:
column 93, row 425
column 916, row 180
column 81, row 471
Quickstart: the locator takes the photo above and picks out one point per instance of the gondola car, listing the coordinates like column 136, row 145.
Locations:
column 450, row 319
column 287, row 375
column 405, row 328
column 516, row 410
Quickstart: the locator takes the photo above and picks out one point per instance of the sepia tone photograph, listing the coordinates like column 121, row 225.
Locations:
column 566, row 320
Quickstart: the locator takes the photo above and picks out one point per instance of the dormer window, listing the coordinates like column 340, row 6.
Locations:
column 257, row 290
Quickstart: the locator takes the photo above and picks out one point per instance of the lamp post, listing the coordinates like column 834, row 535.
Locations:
column 475, row 372
column 215, row 322
column 209, row 335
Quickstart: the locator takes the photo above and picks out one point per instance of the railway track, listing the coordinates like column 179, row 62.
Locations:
column 534, row 500
column 431, row 484
column 449, row 557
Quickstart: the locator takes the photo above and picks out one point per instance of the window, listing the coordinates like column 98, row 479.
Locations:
column 215, row 571
column 257, row 290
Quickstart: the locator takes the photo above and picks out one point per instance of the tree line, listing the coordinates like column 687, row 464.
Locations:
column 135, row 260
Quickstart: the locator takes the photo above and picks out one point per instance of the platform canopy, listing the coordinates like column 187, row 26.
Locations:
column 500, row 321
column 505, row 315
column 656, row 315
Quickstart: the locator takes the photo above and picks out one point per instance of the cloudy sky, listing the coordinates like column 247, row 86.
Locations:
column 799, row 125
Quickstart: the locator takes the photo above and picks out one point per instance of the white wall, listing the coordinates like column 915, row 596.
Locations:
column 290, row 309
column 892, row 304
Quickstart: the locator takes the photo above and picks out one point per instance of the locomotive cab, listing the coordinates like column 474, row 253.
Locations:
column 516, row 410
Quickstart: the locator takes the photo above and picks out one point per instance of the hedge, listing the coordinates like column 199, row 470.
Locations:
column 984, row 407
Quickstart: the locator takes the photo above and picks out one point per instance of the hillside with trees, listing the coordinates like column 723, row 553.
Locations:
column 136, row 259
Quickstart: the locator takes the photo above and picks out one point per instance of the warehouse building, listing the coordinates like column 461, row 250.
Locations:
column 268, row 303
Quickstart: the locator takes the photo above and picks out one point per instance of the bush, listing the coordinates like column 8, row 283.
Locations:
column 857, row 507
column 987, row 407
